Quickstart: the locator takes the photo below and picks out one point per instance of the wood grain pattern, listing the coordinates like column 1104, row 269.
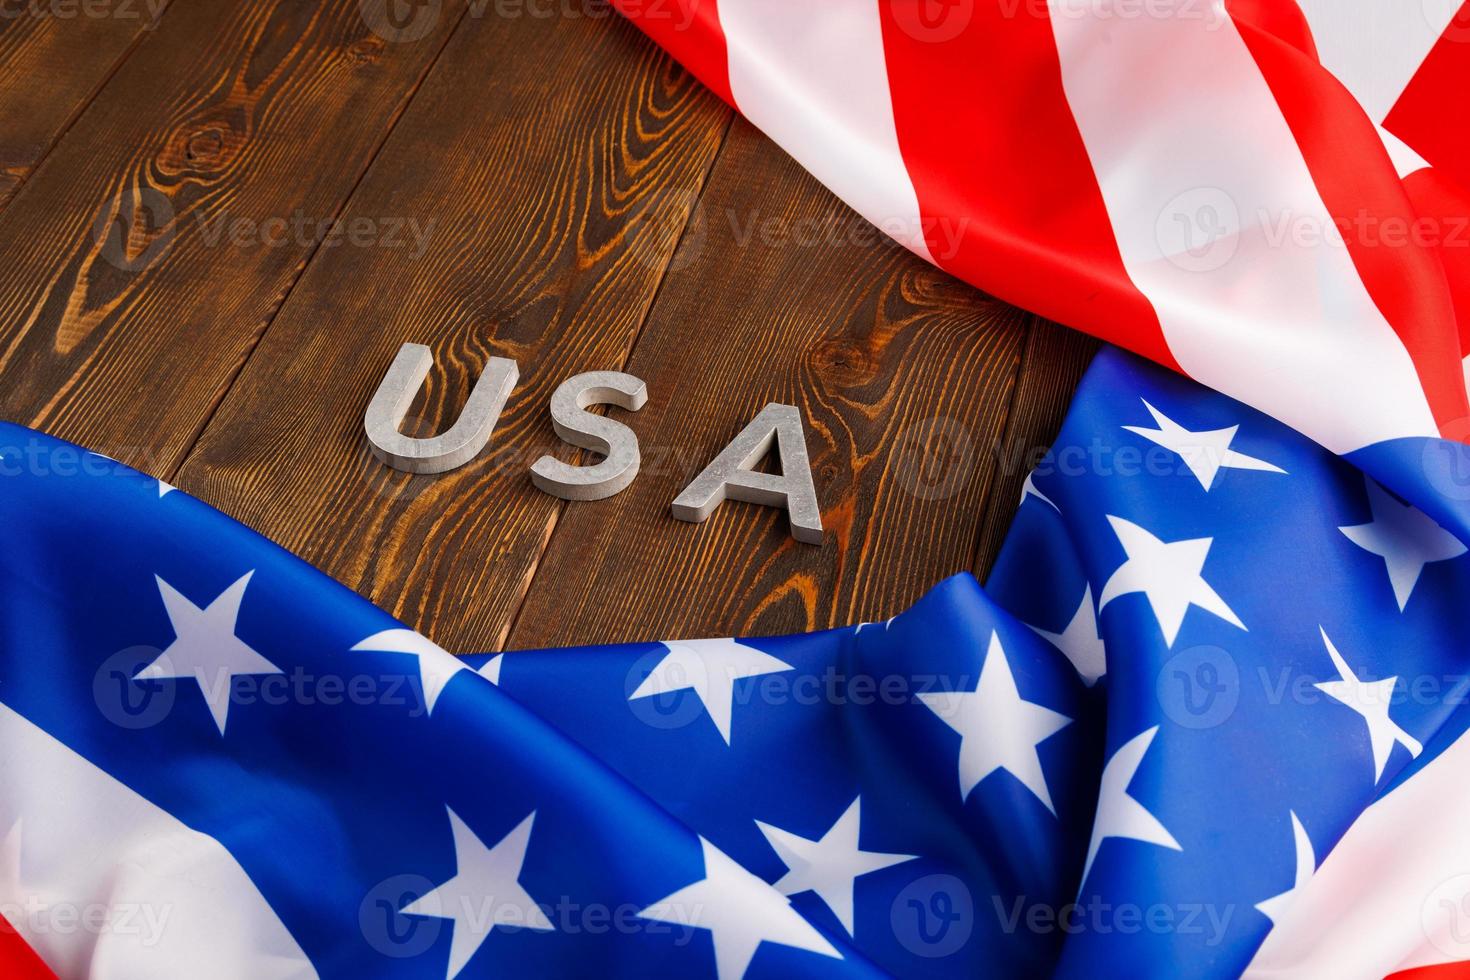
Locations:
column 780, row 293
column 1053, row 364
column 553, row 190
column 51, row 67
column 132, row 294
column 558, row 162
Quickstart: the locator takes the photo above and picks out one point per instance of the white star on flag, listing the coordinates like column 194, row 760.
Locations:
column 1405, row 538
column 1028, row 489
column 1120, row 815
column 490, row 670
column 830, row 866
column 1306, row 865
column 1168, row 573
column 206, row 648
column 1371, row 700
column 1205, row 452
column 485, row 891
column 437, row 666
column 997, row 728
column 862, row 626
column 1081, row 642
column 740, row 910
column 710, row 669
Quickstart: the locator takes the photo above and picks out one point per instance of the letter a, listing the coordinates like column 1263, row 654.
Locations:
column 732, row 475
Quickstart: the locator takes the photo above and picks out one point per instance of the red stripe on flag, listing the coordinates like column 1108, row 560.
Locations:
column 1432, row 115
column 1280, row 18
column 1393, row 250
column 1434, row 194
column 17, row 960
column 1442, row 971
column 1008, row 196
column 690, row 31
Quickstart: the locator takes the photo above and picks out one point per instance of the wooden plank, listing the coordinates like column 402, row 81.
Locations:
column 152, row 246
column 50, row 68
column 559, row 161
column 1053, row 364
column 892, row 363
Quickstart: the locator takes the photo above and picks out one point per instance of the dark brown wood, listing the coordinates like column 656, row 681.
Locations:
column 558, row 161
column 553, row 190
column 780, row 293
column 1054, row 362
column 137, row 280
column 50, row 68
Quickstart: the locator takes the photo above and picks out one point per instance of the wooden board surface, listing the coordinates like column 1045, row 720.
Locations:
column 220, row 227
column 548, row 247
column 50, row 69
column 778, row 295
column 148, row 251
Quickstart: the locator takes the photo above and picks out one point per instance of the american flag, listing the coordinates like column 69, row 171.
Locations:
column 1212, row 659
column 1266, row 195
column 1205, row 719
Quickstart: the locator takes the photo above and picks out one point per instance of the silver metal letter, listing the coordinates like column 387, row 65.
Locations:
column 450, row 449
column 576, row 425
column 732, row 475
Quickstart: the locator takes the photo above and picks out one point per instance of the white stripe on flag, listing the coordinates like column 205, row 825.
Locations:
column 102, row 883
column 1405, row 160
column 812, row 77
column 1378, row 904
column 1216, row 213
column 1374, row 47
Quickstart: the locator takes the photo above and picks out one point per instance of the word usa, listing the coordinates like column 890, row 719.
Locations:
column 731, row 475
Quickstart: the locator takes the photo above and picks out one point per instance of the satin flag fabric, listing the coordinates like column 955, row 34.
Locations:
column 1266, row 195
column 1213, row 686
